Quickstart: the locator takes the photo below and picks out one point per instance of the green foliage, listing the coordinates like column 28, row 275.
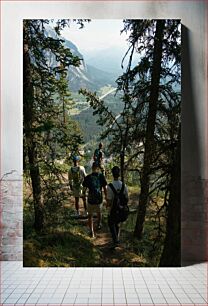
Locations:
column 50, row 134
column 65, row 241
column 116, row 127
column 60, row 250
column 127, row 132
column 136, row 84
column 59, row 121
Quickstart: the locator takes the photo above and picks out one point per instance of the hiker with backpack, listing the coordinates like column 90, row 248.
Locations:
column 99, row 157
column 76, row 177
column 117, row 200
column 94, row 183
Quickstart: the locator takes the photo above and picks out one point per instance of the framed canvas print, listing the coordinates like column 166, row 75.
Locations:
column 101, row 142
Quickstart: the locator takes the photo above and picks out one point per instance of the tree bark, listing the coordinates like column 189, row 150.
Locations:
column 122, row 157
column 171, row 255
column 28, row 108
column 150, row 129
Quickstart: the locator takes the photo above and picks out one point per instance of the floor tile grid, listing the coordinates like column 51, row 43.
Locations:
column 71, row 290
column 8, row 289
column 122, row 280
column 96, row 285
column 78, row 277
column 38, row 286
column 108, row 290
column 194, row 283
column 104, row 281
column 119, row 290
column 151, row 280
column 173, row 282
column 77, row 288
column 46, row 288
column 132, row 295
column 141, row 287
column 22, row 283
column 179, row 289
column 187, row 284
column 84, row 284
column 171, row 288
column 70, row 295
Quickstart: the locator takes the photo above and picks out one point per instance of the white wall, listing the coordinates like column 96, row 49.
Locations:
column 194, row 115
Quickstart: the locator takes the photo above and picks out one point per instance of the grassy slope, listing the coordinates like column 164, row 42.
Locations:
column 66, row 242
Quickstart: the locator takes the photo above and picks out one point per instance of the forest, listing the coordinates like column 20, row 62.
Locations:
column 139, row 123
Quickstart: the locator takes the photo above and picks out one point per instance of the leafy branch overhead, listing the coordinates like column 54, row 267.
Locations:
column 49, row 131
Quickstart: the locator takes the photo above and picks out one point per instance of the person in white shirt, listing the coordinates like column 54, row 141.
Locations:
column 117, row 184
column 76, row 177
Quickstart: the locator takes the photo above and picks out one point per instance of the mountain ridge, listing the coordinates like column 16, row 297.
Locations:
column 86, row 75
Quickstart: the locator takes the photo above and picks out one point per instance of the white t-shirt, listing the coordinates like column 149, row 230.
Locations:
column 117, row 185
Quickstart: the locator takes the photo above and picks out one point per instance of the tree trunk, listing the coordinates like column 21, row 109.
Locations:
column 122, row 158
column 151, row 120
column 28, row 107
column 171, row 255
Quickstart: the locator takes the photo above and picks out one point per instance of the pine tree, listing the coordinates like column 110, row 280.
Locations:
column 159, row 110
column 149, row 146
column 48, row 129
column 171, row 254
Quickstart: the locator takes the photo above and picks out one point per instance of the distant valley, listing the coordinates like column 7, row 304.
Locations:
column 95, row 79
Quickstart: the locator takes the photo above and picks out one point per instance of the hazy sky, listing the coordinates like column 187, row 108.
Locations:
column 97, row 35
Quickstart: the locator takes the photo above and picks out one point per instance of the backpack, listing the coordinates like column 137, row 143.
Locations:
column 76, row 176
column 95, row 190
column 120, row 210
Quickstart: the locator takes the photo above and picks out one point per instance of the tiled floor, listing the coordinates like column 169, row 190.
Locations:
column 103, row 286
